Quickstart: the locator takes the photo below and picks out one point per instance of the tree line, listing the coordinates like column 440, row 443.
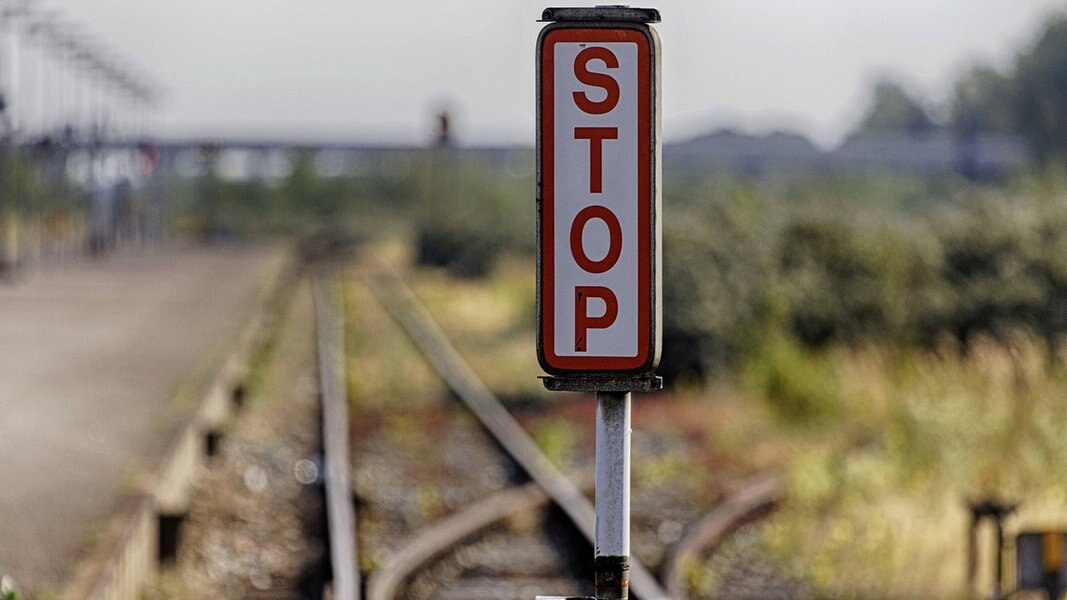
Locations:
column 1030, row 100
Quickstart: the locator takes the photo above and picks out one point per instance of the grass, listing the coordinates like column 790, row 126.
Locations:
column 558, row 440
column 384, row 368
column 491, row 323
column 877, row 495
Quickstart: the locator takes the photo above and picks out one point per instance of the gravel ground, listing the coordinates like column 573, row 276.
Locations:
column 412, row 470
column 254, row 528
column 517, row 561
column 406, row 482
column 740, row 569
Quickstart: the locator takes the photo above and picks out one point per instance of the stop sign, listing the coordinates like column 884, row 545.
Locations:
column 598, row 198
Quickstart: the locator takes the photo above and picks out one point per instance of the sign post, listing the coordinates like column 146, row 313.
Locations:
column 598, row 238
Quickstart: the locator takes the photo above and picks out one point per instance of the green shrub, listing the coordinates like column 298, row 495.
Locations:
column 717, row 268
column 738, row 266
column 1004, row 268
column 465, row 249
column 471, row 216
column 799, row 387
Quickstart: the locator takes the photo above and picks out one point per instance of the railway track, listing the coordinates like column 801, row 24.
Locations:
column 753, row 496
column 340, row 514
column 525, row 530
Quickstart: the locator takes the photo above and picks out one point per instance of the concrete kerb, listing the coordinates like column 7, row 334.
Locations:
column 124, row 559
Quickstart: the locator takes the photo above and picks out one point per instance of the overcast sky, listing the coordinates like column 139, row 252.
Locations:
column 377, row 71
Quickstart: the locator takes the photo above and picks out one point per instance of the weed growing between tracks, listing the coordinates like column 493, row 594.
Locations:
column 491, row 323
column 8, row 589
column 385, row 371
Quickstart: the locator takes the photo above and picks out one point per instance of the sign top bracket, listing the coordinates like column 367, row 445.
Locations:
column 606, row 13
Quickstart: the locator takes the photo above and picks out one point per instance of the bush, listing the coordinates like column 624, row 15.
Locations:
column 798, row 387
column 850, row 280
column 465, row 249
column 738, row 268
column 471, row 216
column 1004, row 268
column 716, row 297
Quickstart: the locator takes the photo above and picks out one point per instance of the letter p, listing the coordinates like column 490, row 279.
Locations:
column 583, row 322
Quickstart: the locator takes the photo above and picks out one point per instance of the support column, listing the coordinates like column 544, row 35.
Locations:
column 612, row 553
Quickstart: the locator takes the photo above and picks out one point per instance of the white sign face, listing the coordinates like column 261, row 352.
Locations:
column 598, row 203
column 595, row 258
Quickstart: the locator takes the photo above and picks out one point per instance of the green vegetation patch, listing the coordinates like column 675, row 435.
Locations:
column 384, row 369
column 877, row 497
column 491, row 323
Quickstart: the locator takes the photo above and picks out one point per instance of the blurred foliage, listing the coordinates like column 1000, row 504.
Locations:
column 804, row 259
column 983, row 100
column 23, row 188
column 8, row 589
column 303, row 204
column 558, row 439
column 472, row 215
column 461, row 212
column 383, row 367
column 797, row 384
column 876, row 497
column 742, row 265
column 490, row 321
column 716, row 267
column 1041, row 91
column 1030, row 99
column 893, row 108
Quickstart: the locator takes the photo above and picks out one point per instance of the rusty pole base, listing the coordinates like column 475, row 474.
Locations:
column 612, row 577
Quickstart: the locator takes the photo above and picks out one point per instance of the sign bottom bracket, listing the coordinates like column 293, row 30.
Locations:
column 645, row 383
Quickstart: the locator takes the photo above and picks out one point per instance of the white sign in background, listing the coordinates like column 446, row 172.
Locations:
column 572, row 194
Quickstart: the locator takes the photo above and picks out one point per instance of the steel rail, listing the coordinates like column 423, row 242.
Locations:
column 385, row 583
column 405, row 308
column 756, row 493
column 340, row 515
column 434, row 541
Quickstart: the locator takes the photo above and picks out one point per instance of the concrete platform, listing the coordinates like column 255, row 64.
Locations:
column 92, row 357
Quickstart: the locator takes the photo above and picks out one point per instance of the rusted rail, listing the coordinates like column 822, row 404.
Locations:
column 754, row 494
column 399, row 301
column 340, row 515
column 385, row 583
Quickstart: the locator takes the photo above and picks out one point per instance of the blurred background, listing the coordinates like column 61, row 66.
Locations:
column 865, row 228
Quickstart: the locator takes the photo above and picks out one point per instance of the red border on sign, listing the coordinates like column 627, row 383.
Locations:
column 644, row 202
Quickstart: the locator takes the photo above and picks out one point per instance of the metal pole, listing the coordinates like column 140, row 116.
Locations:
column 998, row 559
column 972, row 552
column 612, row 553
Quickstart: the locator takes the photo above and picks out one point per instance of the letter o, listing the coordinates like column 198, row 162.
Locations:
column 614, row 239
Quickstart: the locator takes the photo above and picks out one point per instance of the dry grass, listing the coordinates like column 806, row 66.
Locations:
column 491, row 323
column 877, row 494
column 385, row 370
